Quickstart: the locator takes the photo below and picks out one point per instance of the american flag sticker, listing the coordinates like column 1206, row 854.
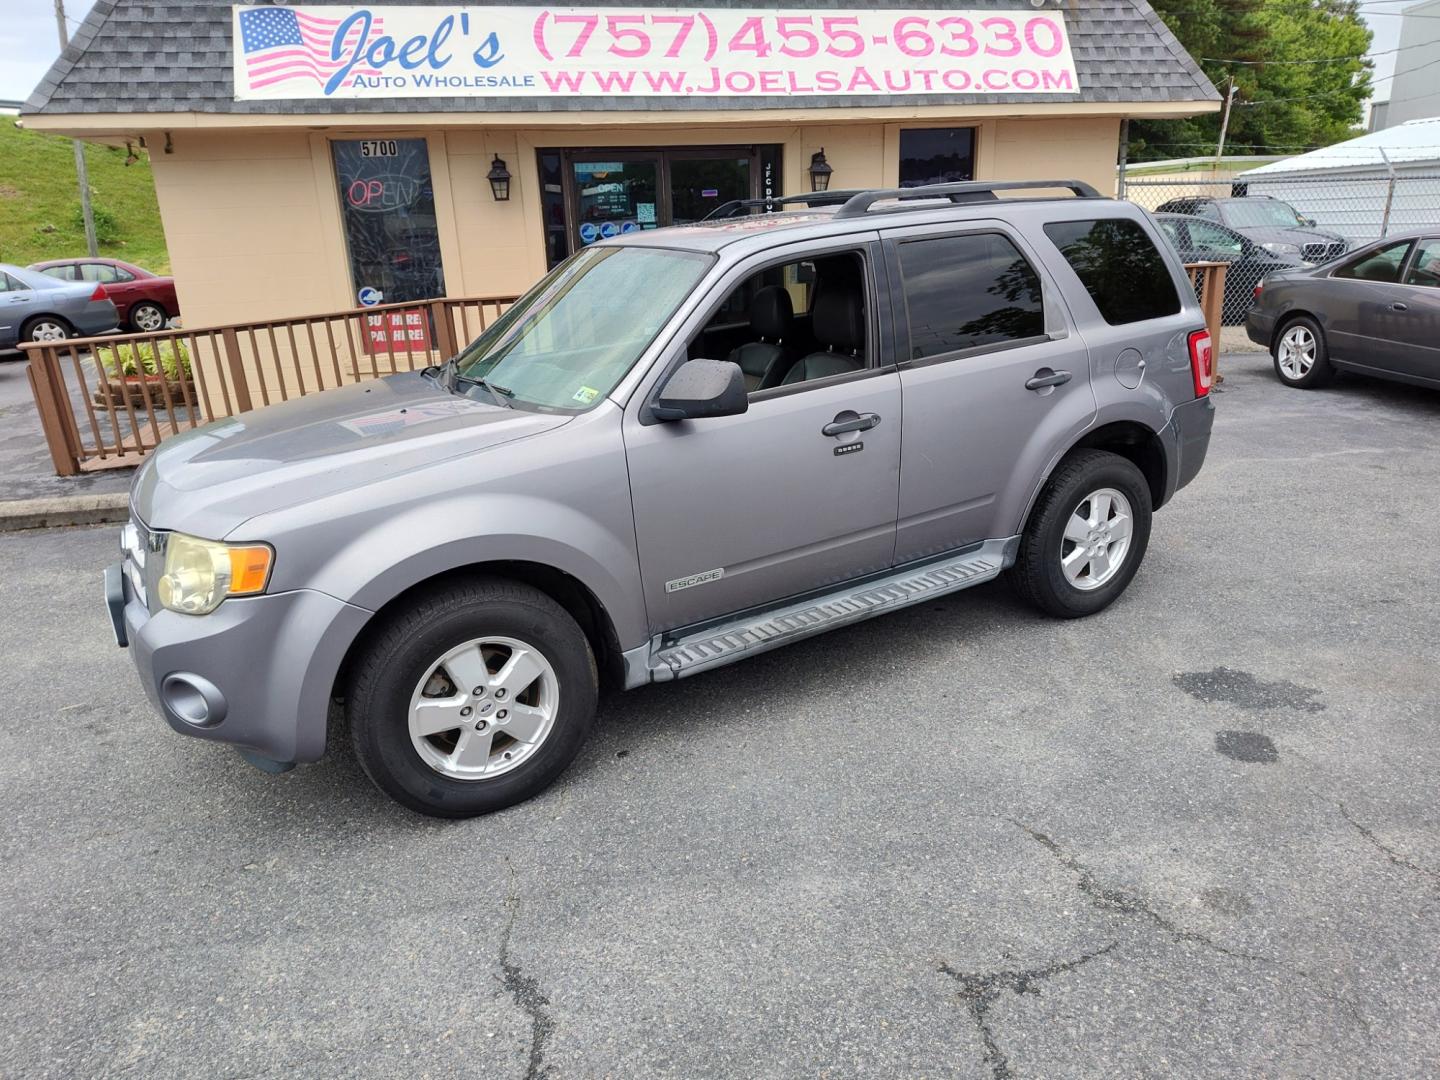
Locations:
column 281, row 46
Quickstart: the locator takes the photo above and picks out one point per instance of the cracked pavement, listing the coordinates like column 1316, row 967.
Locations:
column 1195, row 836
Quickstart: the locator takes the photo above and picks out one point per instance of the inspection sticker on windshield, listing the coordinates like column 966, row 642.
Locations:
column 586, row 394
column 694, row 579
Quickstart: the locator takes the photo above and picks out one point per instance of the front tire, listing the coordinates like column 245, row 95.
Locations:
column 148, row 318
column 473, row 699
column 1302, row 358
column 1086, row 535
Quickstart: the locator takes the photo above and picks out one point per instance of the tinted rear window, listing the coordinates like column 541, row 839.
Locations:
column 962, row 292
column 1119, row 266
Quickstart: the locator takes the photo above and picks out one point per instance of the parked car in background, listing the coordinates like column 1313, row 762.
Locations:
column 1376, row 312
column 683, row 447
column 146, row 301
column 34, row 307
column 1272, row 224
column 1198, row 240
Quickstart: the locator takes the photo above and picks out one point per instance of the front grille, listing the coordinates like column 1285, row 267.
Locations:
column 144, row 553
column 1317, row 253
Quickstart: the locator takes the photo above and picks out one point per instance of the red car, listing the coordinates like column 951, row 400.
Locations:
column 146, row 301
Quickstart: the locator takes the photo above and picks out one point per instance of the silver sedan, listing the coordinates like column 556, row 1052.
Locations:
column 34, row 307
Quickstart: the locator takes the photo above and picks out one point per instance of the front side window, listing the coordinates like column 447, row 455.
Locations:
column 964, row 292
column 567, row 342
column 1120, row 267
column 387, row 201
column 1425, row 270
column 1210, row 239
column 1380, row 265
column 936, row 155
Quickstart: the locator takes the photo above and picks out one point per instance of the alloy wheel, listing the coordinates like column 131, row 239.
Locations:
column 1296, row 355
column 1096, row 539
column 149, row 318
column 48, row 330
column 484, row 708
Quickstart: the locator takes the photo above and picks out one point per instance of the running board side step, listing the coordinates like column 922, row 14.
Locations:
column 723, row 643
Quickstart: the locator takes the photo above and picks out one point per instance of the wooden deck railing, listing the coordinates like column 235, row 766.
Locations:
column 101, row 410
column 107, row 402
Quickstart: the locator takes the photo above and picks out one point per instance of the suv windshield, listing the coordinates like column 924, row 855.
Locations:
column 1260, row 214
column 568, row 341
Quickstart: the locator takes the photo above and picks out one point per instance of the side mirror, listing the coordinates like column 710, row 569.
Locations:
column 1308, row 222
column 702, row 388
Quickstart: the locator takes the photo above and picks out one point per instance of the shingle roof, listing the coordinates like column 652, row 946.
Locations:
column 163, row 56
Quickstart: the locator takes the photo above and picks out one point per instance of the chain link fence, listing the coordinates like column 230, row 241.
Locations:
column 1282, row 221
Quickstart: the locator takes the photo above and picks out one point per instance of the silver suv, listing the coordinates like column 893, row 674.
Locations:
column 681, row 448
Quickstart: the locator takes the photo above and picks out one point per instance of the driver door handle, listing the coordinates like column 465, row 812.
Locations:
column 1398, row 306
column 850, row 421
column 1046, row 377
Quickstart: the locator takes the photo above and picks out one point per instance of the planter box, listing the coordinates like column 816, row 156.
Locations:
column 117, row 391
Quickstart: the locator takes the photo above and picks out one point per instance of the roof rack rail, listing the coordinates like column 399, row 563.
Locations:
column 859, row 204
column 813, row 198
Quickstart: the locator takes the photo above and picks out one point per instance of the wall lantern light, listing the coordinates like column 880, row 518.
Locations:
column 820, row 171
column 499, row 177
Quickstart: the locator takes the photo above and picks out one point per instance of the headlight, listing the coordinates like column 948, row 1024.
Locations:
column 1276, row 248
column 201, row 573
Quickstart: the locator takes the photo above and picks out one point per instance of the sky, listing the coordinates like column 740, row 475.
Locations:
column 29, row 42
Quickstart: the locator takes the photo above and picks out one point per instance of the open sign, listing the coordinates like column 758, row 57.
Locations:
column 381, row 193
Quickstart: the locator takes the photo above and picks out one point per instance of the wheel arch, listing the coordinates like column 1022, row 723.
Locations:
column 578, row 599
column 53, row 316
column 1283, row 321
column 1131, row 439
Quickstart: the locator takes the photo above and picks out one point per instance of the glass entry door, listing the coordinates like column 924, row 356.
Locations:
column 612, row 192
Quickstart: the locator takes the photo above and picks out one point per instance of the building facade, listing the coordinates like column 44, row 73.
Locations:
column 314, row 157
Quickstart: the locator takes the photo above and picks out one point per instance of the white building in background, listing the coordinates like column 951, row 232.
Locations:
column 1381, row 183
column 1415, row 90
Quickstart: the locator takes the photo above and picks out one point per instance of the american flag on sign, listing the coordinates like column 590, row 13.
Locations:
column 280, row 44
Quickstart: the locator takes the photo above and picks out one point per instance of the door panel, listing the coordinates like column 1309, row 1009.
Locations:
column 765, row 499
column 1418, row 320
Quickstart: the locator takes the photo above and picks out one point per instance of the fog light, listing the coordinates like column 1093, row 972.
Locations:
column 193, row 699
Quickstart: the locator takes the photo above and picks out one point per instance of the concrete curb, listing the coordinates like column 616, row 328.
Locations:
column 63, row 510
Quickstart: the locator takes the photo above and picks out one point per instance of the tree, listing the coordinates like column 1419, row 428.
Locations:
column 1280, row 103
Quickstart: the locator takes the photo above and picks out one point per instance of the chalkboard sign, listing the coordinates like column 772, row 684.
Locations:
column 387, row 200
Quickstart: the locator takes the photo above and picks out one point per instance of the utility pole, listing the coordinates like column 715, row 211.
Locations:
column 82, row 173
column 1224, row 123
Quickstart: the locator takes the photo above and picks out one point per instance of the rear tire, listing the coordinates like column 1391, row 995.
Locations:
column 435, row 721
column 1302, row 359
column 1086, row 535
column 46, row 328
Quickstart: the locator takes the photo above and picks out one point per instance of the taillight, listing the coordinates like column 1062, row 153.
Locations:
column 1202, row 361
column 99, row 294
column 1259, row 288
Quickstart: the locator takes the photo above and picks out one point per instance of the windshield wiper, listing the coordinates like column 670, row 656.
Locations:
column 501, row 394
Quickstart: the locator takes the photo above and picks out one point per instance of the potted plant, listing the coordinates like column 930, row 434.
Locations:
column 135, row 370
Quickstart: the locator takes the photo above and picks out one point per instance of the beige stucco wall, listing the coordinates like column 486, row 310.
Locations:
column 253, row 217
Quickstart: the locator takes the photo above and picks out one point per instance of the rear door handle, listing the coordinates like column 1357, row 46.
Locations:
column 1045, row 377
column 851, row 421
column 1397, row 306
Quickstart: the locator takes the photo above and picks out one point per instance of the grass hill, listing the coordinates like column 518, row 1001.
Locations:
column 40, row 202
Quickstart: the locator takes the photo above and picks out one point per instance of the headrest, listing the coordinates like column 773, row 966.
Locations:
column 838, row 317
column 771, row 312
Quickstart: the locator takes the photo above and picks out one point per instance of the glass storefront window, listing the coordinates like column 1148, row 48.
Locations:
column 387, row 202
column 552, row 208
column 936, row 155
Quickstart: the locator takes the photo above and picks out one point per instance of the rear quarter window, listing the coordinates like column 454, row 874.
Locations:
column 1120, row 267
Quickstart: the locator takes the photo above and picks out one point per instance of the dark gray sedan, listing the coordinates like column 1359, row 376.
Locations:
column 1375, row 311
column 34, row 307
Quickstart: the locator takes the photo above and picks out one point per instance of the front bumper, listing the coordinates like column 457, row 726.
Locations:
column 257, row 673
column 1187, row 442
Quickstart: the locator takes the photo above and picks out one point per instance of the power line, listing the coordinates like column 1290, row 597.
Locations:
column 1346, row 90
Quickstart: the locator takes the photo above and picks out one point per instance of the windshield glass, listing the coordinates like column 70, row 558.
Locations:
column 1259, row 214
column 568, row 341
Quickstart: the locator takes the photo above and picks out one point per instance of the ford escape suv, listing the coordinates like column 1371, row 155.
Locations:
column 681, row 448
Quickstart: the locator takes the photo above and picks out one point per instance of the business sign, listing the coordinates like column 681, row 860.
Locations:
column 456, row 50
column 389, row 333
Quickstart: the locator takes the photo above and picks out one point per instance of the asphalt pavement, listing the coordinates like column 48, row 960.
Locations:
column 1196, row 836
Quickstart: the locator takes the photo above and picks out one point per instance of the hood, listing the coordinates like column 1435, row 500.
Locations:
column 1298, row 237
column 209, row 481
